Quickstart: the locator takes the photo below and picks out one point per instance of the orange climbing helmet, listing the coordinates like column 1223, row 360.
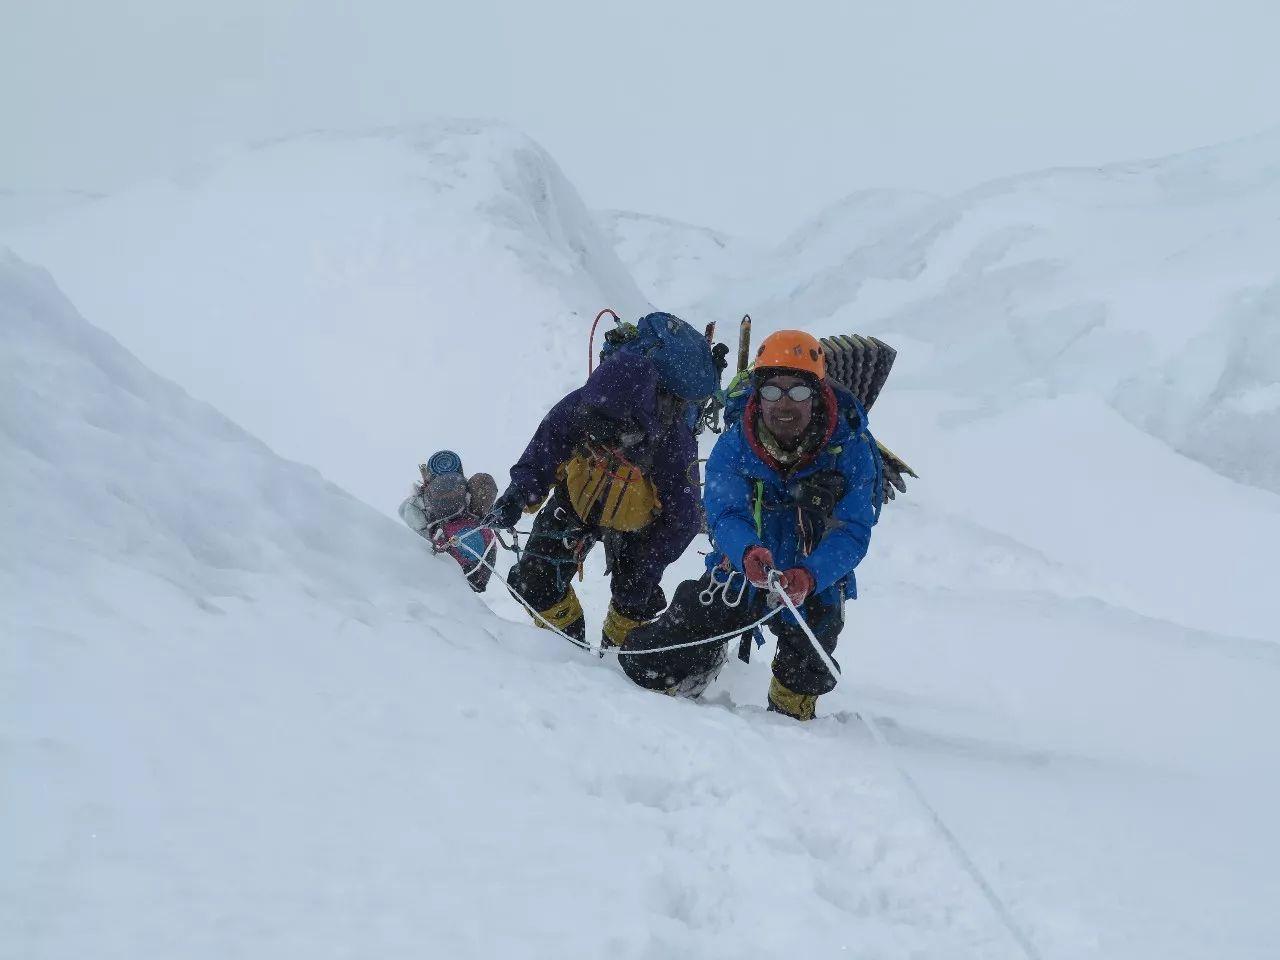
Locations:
column 792, row 350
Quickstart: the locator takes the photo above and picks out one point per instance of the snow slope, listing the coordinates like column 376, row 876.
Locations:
column 245, row 714
column 357, row 300
column 1150, row 285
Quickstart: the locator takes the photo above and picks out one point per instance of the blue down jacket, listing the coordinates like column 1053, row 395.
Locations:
column 748, row 502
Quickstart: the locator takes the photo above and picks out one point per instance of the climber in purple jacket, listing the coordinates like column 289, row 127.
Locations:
column 619, row 458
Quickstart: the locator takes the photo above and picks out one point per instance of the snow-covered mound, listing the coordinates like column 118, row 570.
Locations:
column 1153, row 285
column 676, row 264
column 357, row 300
column 113, row 473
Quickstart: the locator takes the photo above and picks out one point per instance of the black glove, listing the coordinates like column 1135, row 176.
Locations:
column 720, row 356
column 506, row 511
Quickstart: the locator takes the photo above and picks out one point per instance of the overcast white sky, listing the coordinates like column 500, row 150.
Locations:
column 744, row 116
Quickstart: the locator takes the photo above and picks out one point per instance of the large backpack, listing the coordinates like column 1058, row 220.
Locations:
column 857, row 365
column 680, row 353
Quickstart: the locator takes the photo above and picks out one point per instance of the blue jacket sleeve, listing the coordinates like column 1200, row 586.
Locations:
column 846, row 542
column 727, row 498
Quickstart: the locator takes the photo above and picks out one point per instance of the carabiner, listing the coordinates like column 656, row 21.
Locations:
column 708, row 595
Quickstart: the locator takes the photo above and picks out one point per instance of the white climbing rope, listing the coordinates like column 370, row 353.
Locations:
column 957, row 848
column 962, row 856
column 586, row 645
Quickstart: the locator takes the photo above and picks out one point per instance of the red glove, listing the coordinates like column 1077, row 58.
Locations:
column 756, row 564
column 797, row 583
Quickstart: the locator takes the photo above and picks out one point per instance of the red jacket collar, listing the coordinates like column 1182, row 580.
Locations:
column 752, row 411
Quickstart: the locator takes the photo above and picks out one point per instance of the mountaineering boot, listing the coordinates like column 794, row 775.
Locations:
column 797, row 706
column 616, row 627
column 692, row 686
column 566, row 616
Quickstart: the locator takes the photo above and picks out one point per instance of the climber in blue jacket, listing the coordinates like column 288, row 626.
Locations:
column 793, row 487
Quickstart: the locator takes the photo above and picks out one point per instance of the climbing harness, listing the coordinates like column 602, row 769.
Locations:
column 596, row 648
column 439, row 544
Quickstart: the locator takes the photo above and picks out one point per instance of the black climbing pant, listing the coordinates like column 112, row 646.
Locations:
column 795, row 664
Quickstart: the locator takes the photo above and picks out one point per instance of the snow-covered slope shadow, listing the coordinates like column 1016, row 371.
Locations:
column 246, row 715
column 357, row 300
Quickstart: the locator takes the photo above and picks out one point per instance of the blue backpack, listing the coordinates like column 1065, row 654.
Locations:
column 680, row 353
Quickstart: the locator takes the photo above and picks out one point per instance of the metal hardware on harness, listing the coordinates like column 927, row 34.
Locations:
column 437, row 541
column 513, row 546
column 585, row 645
column 708, row 594
column 561, row 514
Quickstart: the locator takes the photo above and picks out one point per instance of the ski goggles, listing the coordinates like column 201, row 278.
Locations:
column 800, row 392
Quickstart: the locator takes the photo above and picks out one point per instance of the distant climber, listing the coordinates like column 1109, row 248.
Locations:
column 446, row 508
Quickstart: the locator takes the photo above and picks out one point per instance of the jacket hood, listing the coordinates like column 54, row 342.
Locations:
column 625, row 385
column 834, row 425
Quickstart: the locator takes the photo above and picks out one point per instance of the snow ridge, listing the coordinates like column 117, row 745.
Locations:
column 675, row 263
column 1147, row 284
column 384, row 277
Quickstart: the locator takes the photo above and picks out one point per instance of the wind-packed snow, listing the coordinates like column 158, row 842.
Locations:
column 342, row 294
column 245, row 714
column 1151, row 285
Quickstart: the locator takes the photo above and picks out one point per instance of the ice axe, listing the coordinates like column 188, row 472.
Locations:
column 744, row 342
